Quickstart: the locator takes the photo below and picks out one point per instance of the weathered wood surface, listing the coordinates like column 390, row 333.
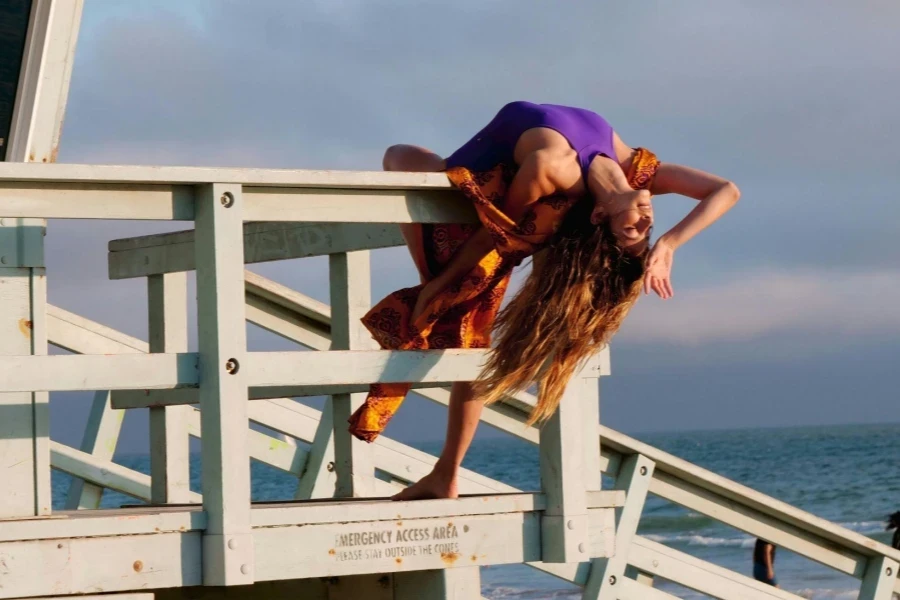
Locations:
column 263, row 242
column 228, row 557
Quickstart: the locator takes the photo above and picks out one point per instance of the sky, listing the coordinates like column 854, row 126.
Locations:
column 785, row 312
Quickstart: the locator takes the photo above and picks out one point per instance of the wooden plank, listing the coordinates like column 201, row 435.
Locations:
column 40, row 400
column 134, row 596
column 356, row 511
column 227, row 549
column 608, row 573
column 170, row 471
column 91, row 565
column 101, row 434
column 44, row 81
column 92, row 372
column 357, row 206
column 318, row 479
column 362, row 367
column 351, row 299
column 390, row 546
column 707, row 482
column 79, row 201
column 263, row 242
column 634, row 590
column 758, row 524
column 76, row 334
column 113, row 175
column 101, row 523
column 698, row 575
column 18, row 427
column 562, row 454
column 101, row 472
column 879, row 580
column 123, row 399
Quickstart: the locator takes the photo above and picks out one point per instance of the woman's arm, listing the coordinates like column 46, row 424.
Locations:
column 716, row 196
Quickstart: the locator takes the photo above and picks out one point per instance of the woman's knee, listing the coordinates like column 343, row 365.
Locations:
column 404, row 157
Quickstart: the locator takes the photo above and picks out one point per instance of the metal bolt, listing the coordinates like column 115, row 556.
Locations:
column 655, row 563
column 227, row 200
column 2, row 260
column 612, row 580
column 889, row 571
column 330, row 467
column 232, row 366
column 570, row 524
column 4, row 222
column 245, row 569
column 643, row 470
column 232, row 544
column 581, row 548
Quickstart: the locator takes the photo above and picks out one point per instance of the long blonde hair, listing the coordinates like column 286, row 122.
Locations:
column 566, row 311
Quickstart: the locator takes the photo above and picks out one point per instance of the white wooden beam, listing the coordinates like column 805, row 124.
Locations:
column 607, row 574
column 101, row 434
column 263, row 242
column 228, row 555
column 696, row 574
column 93, row 372
column 879, row 580
column 169, row 440
column 101, row 472
column 254, row 179
column 463, row 583
column 563, row 451
column 82, row 336
column 351, row 298
column 318, row 479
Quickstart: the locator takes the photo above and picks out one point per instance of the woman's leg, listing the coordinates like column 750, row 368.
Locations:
column 403, row 157
column 462, row 419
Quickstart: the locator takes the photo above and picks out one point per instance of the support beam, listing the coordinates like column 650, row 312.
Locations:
column 608, row 574
column 33, row 137
column 463, row 583
column 563, row 450
column 227, row 541
column 318, row 479
column 169, row 440
column 100, row 438
column 351, row 298
column 263, row 242
column 879, row 579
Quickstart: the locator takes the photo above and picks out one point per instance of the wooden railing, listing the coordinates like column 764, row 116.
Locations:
column 343, row 215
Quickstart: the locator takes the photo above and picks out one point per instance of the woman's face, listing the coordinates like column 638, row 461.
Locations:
column 631, row 221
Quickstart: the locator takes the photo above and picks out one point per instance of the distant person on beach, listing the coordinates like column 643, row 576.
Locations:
column 764, row 562
column 894, row 523
column 552, row 181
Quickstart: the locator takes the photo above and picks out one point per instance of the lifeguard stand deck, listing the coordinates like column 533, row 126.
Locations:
column 338, row 540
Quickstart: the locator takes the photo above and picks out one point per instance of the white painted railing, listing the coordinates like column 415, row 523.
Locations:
column 220, row 201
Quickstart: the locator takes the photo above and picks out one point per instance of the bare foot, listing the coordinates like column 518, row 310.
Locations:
column 432, row 486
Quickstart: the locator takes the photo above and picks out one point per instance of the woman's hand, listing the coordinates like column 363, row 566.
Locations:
column 428, row 292
column 658, row 275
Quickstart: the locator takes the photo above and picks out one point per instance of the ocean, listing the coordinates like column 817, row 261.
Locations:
column 848, row 475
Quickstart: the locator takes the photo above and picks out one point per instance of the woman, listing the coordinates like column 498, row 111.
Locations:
column 764, row 562
column 543, row 178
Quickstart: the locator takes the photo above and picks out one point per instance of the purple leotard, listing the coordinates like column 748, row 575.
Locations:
column 588, row 133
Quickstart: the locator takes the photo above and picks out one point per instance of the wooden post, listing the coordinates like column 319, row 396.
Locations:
column 460, row 583
column 563, row 459
column 879, row 579
column 607, row 574
column 169, row 440
column 639, row 576
column 227, row 541
column 34, row 137
column 351, row 298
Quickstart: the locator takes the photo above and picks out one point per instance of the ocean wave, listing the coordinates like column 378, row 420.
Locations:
column 703, row 540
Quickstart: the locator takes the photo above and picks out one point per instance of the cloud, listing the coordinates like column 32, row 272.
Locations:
column 766, row 304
